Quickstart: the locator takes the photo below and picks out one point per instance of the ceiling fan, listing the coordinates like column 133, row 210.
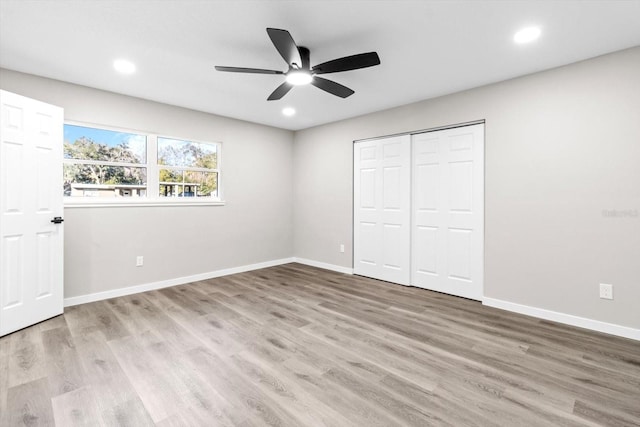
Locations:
column 300, row 71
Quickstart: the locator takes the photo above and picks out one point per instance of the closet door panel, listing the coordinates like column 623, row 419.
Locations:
column 382, row 209
column 448, row 211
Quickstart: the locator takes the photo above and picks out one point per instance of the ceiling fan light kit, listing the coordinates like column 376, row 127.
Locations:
column 299, row 77
column 300, row 71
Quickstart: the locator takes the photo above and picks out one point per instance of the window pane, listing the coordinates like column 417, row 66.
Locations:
column 84, row 180
column 174, row 152
column 83, row 143
column 188, row 183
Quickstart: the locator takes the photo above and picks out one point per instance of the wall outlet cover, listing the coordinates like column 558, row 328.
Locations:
column 606, row 291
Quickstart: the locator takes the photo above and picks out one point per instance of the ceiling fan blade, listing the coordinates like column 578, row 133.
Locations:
column 332, row 87
column 285, row 45
column 280, row 91
column 353, row 62
column 247, row 70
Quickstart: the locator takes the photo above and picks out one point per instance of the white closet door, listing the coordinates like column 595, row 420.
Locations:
column 382, row 213
column 448, row 211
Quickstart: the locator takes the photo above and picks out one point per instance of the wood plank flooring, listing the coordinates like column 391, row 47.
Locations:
column 299, row 346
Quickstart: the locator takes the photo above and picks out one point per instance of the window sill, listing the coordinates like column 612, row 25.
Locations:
column 120, row 203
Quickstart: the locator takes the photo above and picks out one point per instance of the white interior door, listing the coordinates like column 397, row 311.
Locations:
column 31, row 257
column 448, row 211
column 382, row 213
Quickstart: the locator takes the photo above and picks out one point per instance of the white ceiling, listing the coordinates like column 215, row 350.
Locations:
column 427, row 48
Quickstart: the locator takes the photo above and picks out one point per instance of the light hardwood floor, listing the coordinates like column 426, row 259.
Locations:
column 299, row 346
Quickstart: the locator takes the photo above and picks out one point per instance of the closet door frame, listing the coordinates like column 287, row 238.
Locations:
column 478, row 176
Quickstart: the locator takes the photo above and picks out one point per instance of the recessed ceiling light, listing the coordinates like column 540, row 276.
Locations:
column 288, row 111
column 123, row 66
column 527, row 35
column 298, row 78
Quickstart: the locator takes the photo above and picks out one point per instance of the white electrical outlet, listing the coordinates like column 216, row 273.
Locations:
column 606, row 291
column 342, row 248
column 139, row 261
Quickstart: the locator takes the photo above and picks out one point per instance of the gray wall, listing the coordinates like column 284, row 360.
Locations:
column 561, row 147
column 255, row 225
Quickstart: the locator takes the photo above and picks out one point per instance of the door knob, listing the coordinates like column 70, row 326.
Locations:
column 57, row 220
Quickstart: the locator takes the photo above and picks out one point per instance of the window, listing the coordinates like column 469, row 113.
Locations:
column 187, row 168
column 104, row 163
column 137, row 168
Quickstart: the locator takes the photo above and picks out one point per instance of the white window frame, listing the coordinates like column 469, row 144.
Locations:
column 153, row 171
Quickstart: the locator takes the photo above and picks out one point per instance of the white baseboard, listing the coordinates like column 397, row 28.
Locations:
column 82, row 299
column 568, row 319
column 324, row 265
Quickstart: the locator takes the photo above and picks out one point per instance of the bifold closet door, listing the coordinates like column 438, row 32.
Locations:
column 447, row 235
column 382, row 182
